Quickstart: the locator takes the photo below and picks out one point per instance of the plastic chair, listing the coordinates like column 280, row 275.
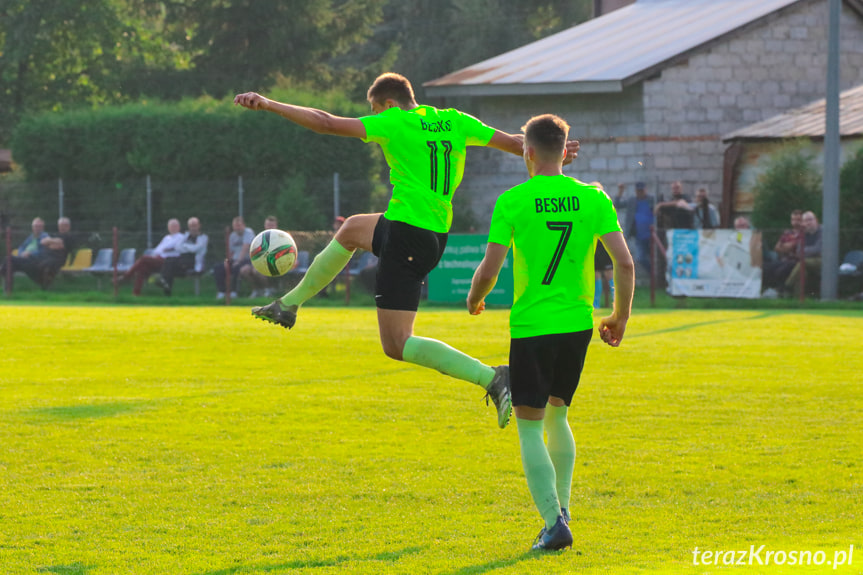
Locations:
column 104, row 261
column 362, row 262
column 855, row 258
column 126, row 259
column 82, row 260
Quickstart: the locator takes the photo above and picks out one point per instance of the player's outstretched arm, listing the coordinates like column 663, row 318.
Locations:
column 612, row 328
column 511, row 143
column 485, row 277
column 311, row 118
column 514, row 144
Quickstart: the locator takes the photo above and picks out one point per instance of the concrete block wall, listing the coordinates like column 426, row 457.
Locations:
column 670, row 127
column 609, row 127
column 761, row 70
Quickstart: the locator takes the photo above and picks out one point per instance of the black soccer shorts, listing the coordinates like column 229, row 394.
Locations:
column 406, row 255
column 546, row 365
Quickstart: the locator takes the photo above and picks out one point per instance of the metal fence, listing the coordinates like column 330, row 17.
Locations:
column 144, row 206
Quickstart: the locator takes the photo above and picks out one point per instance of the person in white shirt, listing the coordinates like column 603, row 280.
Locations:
column 152, row 263
column 192, row 251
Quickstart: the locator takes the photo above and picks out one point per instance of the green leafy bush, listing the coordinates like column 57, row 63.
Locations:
column 792, row 181
column 194, row 146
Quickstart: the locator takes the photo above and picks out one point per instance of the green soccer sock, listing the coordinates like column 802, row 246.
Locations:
column 561, row 450
column 538, row 470
column 447, row 360
column 325, row 267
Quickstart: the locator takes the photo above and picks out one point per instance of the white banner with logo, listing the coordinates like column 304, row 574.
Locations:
column 712, row 263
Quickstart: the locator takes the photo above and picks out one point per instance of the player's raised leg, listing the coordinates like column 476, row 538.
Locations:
column 356, row 232
column 398, row 341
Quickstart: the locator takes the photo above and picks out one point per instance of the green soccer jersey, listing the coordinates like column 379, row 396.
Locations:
column 425, row 149
column 552, row 223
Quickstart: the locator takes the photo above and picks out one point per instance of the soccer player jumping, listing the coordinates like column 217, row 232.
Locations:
column 552, row 222
column 425, row 149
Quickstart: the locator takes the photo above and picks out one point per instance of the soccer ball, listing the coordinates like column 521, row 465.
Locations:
column 273, row 252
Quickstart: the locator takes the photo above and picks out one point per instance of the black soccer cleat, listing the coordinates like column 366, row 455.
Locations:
column 564, row 512
column 554, row 539
column 499, row 392
column 277, row 313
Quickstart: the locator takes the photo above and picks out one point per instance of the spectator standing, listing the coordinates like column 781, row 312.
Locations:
column 191, row 250
column 705, row 214
column 676, row 213
column 639, row 217
column 603, row 269
column 151, row 263
column 239, row 242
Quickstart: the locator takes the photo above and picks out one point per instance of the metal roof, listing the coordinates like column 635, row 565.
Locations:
column 808, row 121
column 607, row 53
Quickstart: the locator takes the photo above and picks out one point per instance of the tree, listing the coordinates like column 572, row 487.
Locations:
column 435, row 37
column 242, row 45
column 851, row 202
column 791, row 181
column 56, row 54
column 62, row 54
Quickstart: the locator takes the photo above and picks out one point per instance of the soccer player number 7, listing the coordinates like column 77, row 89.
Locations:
column 565, row 229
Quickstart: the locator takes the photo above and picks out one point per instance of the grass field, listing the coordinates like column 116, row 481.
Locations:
column 198, row 441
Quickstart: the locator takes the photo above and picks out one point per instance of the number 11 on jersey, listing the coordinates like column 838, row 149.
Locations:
column 447, row 149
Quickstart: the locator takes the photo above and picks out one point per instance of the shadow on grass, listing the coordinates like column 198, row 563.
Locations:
column 312, row 563
column 90, row 411
column 501, row 563
column 689, row 326
column 73, row 569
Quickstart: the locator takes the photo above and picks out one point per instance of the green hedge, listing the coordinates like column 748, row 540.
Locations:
column 186, row 141
column 201, row 141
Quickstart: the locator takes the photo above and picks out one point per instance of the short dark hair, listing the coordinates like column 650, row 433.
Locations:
column 796, row 212
column 391, row 86
column 547, row 134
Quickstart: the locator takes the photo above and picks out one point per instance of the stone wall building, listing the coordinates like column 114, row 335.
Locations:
column 651, row 88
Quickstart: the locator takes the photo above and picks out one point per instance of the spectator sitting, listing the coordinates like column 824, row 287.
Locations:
column 152, row 263
column 776, row 272
column 58, row 248
column 811, row 252
column 676, row 213
column 239, row 242
column 261, row 284
column 30, row 252
column 190, row 259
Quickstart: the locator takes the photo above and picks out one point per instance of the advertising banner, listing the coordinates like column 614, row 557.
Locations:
column 712, row 263
column 450, row 280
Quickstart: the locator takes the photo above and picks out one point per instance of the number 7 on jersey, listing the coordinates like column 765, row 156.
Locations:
column 565, row 229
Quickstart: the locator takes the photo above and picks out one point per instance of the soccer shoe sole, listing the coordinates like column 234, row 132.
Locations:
column 284, row 317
